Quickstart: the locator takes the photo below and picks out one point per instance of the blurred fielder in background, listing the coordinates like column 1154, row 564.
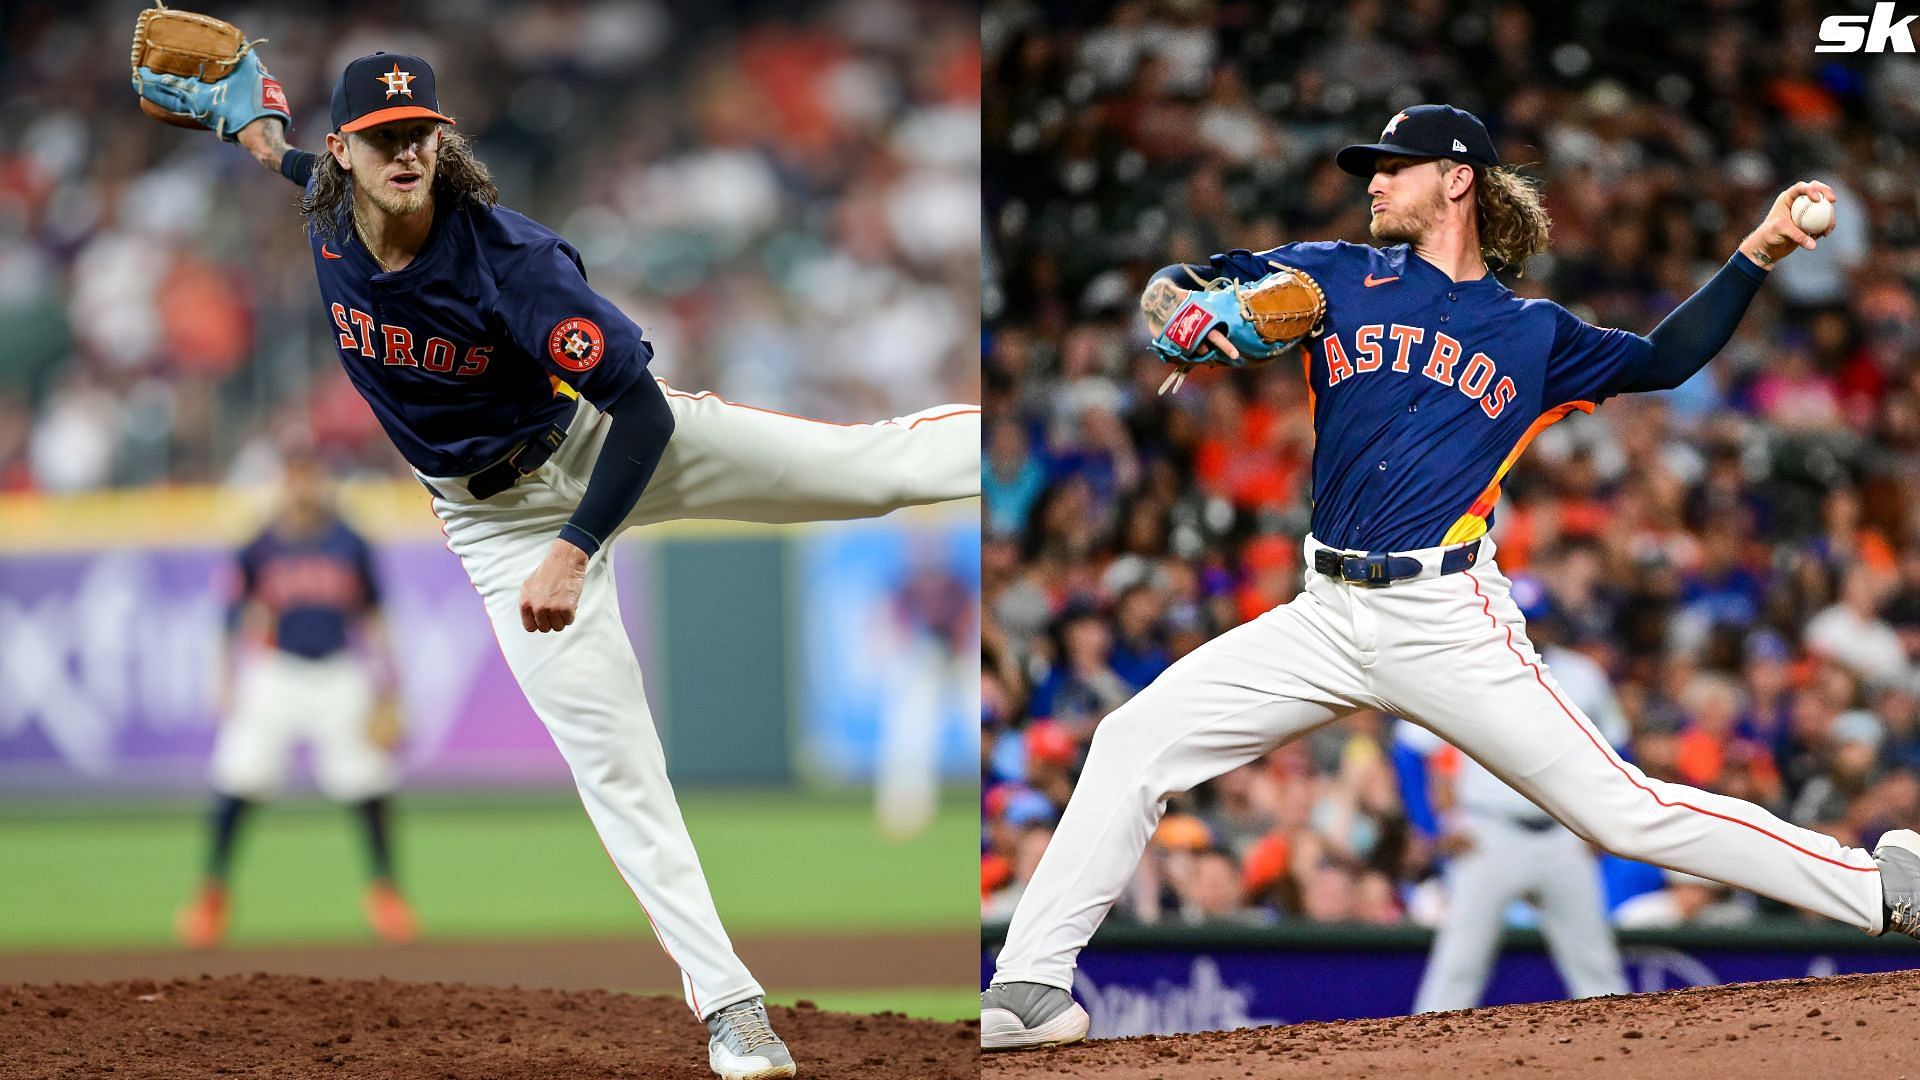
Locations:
column 1504, row 850
column 306, row 660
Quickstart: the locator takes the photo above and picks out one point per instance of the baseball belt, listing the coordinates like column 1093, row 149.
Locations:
column 521, row 461
column 1379, row 569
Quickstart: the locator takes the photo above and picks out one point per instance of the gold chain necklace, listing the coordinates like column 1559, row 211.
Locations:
column 361, row 231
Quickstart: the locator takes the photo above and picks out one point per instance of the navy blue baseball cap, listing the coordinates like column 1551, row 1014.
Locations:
column 1425, row 131
column 382, row 88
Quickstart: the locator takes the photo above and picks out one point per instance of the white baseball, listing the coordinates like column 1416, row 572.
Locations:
column 1813, row 214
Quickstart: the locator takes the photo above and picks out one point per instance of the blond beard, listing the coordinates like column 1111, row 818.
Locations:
column 403, row 203
column 1408, row 226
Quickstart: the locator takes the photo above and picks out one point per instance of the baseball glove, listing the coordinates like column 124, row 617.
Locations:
column 1262, row 319
column 384, row 728
column 197, row 71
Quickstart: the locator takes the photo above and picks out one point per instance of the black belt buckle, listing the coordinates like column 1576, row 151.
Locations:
column 1369, row 571
column 521, row 461
column 541, row 446
column 1326, row 563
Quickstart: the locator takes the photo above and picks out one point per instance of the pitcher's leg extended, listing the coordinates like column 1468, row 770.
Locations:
column 740, row 463
column 585, row 684
column 1517, row 722
column 1222, row 705
column 1141, row 755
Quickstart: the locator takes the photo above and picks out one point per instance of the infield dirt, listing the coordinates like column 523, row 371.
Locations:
column 1851, row 1025
column 296, row 1027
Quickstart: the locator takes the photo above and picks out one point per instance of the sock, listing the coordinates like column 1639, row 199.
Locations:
column 373, row 815
column 227, row 812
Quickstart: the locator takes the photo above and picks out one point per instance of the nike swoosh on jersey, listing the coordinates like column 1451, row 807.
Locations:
column 1369, row 283
column 329, row 254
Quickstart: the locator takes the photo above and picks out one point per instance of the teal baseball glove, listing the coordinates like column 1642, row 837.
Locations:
column 1261, row 320
column 197, row 71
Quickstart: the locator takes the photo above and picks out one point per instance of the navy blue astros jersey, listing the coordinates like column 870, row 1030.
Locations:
column 313, row 586
column 481, row 342
column 1425, row 391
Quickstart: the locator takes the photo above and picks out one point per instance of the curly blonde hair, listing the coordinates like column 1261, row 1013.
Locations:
column 1510, row 214
column 457, row 176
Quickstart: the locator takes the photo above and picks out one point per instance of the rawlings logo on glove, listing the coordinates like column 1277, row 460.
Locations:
column 1185, row 329
column 1259, row 321
column 197, row 71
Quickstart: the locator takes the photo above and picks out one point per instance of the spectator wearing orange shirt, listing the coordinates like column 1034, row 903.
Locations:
column 1712, row 754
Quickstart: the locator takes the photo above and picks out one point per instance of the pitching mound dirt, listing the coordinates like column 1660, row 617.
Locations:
column 1852, row 1025
column 295, row 1027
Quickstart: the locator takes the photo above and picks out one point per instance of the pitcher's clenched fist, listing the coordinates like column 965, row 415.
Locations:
column 551, row 596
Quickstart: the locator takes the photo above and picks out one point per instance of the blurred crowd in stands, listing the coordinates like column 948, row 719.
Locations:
column 785, row 196
column 1740, row 555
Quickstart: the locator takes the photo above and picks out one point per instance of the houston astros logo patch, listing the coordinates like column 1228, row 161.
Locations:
column 576, row 344
column 398, row 82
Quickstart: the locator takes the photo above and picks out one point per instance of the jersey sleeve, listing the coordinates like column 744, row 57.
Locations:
column 1244, row 266
column 547, row 309
column 1589, row 363
column 1316, row 257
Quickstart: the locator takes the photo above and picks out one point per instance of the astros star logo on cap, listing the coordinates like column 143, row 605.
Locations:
column 400, row 82
column 1393, row 123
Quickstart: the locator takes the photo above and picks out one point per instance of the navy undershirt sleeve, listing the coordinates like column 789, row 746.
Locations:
column 297, row 166
column 641, row 424
column 1698, row 329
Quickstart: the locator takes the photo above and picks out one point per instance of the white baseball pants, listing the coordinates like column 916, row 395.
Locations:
column 283, row 700
column 1448, row 653
column 724, row 461
column 1508, row 861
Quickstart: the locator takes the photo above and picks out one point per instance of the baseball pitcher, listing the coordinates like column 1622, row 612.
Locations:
column 522, row 399
column 1427, row 379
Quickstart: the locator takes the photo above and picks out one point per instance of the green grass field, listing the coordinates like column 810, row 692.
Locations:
column 520, row 867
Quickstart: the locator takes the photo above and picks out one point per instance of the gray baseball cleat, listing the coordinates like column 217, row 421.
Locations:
column 744, row 1046
column 1898, row 854
column 1024, row 1015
